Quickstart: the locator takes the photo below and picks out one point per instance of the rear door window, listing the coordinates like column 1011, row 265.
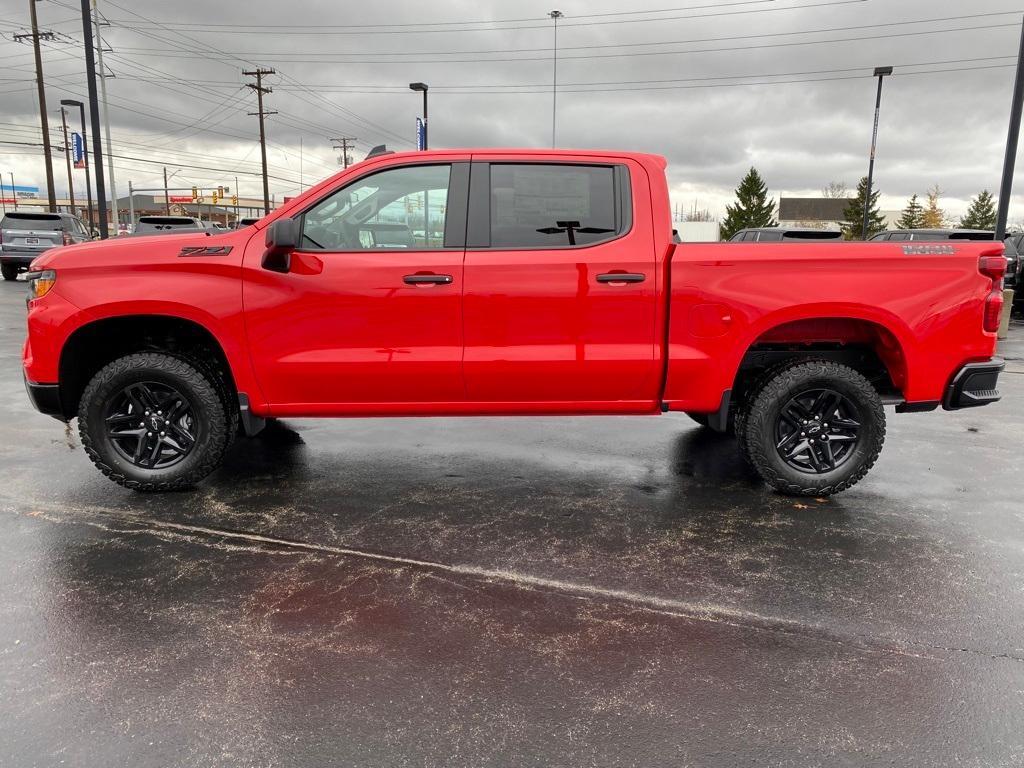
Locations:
column 538, row 205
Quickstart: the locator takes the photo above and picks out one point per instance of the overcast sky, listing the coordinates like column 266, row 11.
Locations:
column 783, row 85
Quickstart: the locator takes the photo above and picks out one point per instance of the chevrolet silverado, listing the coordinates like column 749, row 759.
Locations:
column 504, row 282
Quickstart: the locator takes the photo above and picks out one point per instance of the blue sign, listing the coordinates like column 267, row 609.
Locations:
column 78, row 150
column 421, row 134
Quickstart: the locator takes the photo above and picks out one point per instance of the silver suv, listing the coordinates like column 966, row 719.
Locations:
column 23, row 236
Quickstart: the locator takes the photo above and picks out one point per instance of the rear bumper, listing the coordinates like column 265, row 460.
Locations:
column 45, row 398
column 22, row 258
column 973, row 385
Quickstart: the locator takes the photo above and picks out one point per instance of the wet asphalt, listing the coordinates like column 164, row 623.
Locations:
column 512, row 592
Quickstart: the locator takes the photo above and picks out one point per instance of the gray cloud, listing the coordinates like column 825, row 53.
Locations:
column 946, row 127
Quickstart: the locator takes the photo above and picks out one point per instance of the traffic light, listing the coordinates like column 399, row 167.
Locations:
column 220, row 191
column 234, row 200
column 195, row 194
column 216, row 196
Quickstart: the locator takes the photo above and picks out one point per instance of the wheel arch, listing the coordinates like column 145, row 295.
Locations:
column 101, row 340
column 870, row 341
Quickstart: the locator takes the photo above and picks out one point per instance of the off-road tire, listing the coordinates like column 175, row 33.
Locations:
column 9, row 271
column 204, row 395
column 759, row 427
column 742, row 408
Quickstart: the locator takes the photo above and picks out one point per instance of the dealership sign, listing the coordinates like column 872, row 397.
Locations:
column 78, row 150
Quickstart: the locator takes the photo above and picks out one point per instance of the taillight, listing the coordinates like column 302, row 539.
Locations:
column 994, row 268
column 67, row 238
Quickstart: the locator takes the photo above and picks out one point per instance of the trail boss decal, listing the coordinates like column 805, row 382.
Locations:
column 928, row 250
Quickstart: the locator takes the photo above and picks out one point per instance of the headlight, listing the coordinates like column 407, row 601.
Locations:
column 40, row 283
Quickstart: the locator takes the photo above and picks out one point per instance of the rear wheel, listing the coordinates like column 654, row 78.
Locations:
column 814, row 428
column 9, row 271
column 153, row 422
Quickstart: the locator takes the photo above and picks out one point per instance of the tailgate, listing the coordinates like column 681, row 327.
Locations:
column 29, row 240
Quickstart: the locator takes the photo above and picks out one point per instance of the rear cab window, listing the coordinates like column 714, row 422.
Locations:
column 29, row 221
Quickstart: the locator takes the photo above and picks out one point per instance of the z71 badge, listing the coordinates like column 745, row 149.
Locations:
column 928, row 250
column 205, row 250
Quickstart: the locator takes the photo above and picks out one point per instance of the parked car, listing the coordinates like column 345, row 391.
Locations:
column 786, row 234
column 166, row 225
column 555, row 289
column 245, row 221
column 1013, row 244
column 933, row 235
column 25, row 235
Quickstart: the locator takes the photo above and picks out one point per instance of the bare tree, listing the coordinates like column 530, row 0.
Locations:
column 835, row 190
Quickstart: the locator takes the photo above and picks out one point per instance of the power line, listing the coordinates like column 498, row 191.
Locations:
column 789, row 44
column 368, row 30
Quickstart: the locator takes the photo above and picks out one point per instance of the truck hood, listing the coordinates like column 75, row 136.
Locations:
column 137, row 250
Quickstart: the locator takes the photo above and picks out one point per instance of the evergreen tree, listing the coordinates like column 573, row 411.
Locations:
column 934, row 217
column 913, row 215
column 982, row 213
column 853, row 228
column 753, row 207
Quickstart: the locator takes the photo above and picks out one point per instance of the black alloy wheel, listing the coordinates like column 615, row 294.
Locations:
column 817, row 431
column 151, row 424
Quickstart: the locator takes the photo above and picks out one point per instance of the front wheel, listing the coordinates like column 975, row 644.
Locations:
column 153, row 422
column 814, row 429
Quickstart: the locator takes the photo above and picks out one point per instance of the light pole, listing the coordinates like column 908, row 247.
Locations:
column 97, row 145
column 1012, row 138
column 67, row 158
column 423, row 87
column 555, row 16
column 880, row 73
column 85, row 156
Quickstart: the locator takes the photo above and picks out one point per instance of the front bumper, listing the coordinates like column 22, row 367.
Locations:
column 974, row 385
column 45, row 398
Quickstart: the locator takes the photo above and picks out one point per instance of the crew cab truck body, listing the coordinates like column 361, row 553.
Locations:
column 526, row 282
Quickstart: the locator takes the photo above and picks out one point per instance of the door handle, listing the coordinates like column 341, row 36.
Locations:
column 427, row 279
column 621, row 277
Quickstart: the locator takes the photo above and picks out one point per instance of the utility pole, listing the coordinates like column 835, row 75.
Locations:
column 555, row 16
column 258, row 86
column 43, row 120
column 67, row 157
column 14, row 195
column 167, row 196
column 106, row 112
column 343, row 144
column 97, row 142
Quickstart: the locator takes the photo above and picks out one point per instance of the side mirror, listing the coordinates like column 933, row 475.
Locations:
column 282, row 238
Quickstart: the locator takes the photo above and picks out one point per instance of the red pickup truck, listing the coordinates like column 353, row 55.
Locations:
column 500, row 282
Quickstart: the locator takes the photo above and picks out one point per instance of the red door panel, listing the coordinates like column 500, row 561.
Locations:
column 368, row 317
column 540, row 326
column 350, row 330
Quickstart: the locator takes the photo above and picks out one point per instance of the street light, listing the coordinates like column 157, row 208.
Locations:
column 555, row 16
column 85, row 154
column 424, row 88
column 880, row 73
